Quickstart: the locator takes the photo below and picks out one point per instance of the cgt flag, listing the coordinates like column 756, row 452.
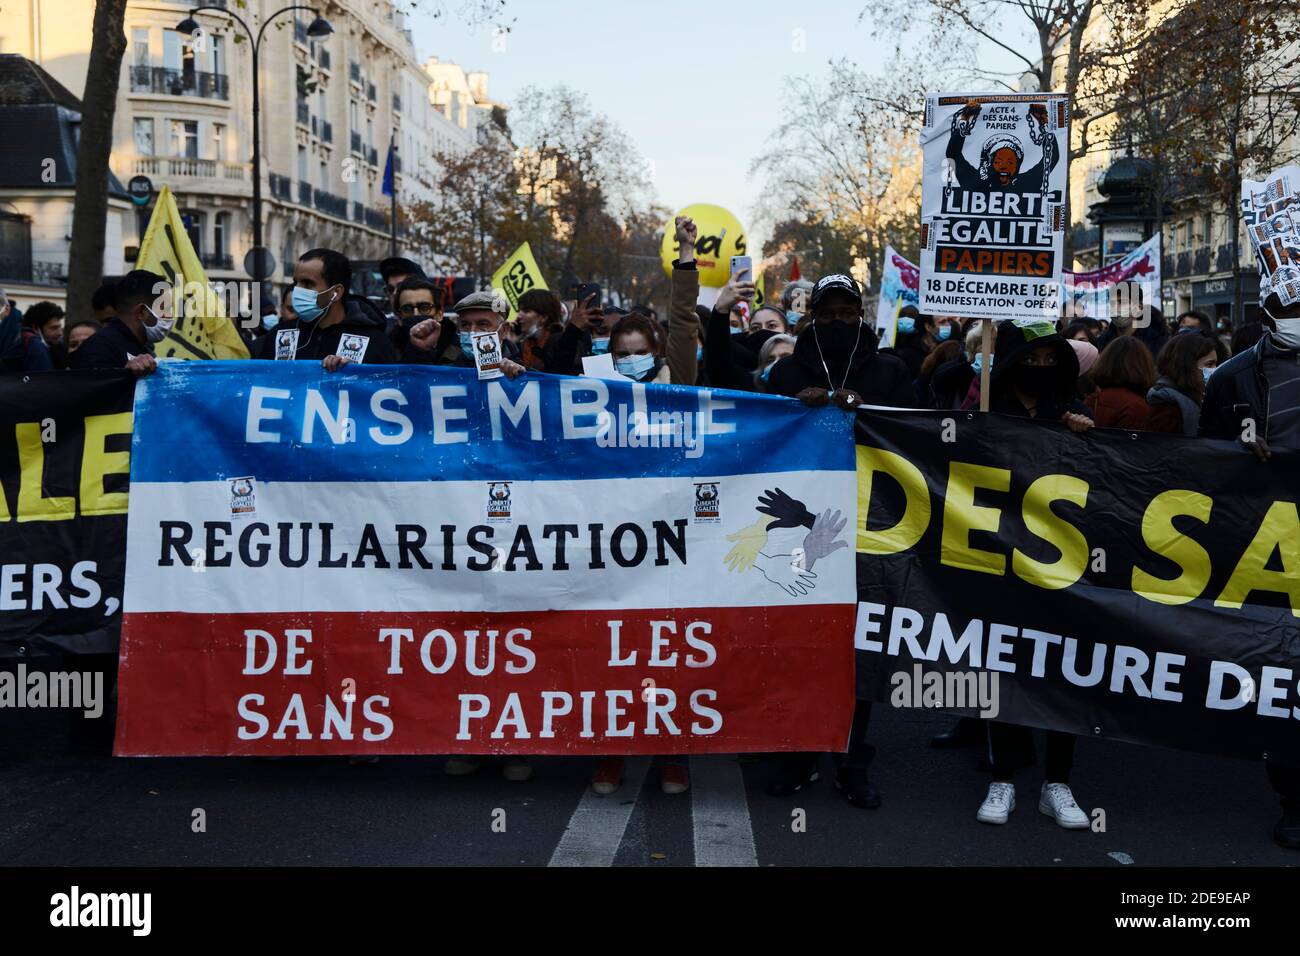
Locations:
column 1131, row 585
column 200, row 329
column 416, row 561
column 518, row 275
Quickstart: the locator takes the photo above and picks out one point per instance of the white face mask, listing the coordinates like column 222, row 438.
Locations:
column 1288, row 333
column 158, row 331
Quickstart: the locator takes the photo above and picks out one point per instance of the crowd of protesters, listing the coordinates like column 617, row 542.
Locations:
column 1137, row 371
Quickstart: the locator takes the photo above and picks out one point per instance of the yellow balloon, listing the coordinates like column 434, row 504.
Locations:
column 720, row 237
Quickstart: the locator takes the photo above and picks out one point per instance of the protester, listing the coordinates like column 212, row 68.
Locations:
column 1254, row 398
column 1124, row 373
column 394, row 271
column 1034, row 375
column 539, row 326
column 428, row 336
column 768, row 318
column 952, row 381
column 331, row 325
column 1087, row 355
column 79, row 333
column 43, row 347
column 102, row 304
column 1194, row 321
column 941, row 355
column 835, row 360
column 123, row 342
column 914, row 337
column 732, row 361
column 772, row 351
column 1080, row 331
column 11, row 355
column 794, row 300
column 1185, row 365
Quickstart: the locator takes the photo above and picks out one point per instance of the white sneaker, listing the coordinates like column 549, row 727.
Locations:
column 999, row 803
column 517, row 769
column 1058, row 803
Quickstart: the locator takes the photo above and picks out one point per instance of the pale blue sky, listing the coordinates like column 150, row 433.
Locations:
column 698, row 86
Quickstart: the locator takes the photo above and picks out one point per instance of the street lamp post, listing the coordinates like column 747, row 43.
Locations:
column 319, row 27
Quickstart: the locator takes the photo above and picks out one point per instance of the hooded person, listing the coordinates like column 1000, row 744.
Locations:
column 331, row 326
column 835, row 356
column 1035, row 375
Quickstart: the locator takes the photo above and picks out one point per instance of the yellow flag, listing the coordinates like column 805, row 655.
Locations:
column 200, row 329
column 519, row 275
column 760, row 291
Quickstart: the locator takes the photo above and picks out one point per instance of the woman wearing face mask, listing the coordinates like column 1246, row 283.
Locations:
column 637, row 345
column 914, row 338
column 1185, row 365
column 771, row 352
column 731, row 361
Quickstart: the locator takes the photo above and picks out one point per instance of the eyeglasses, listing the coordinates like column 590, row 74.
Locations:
column 424, row 308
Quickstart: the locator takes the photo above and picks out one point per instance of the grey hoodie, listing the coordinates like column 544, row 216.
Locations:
column 1163, row 392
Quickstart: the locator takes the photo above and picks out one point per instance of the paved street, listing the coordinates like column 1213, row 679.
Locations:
column 1162, row 809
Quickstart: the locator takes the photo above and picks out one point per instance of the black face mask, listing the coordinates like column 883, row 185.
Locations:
column 1037, row 380
column 837, row 340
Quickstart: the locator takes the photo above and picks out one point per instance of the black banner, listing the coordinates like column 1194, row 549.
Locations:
column 1131, row 585
column 65, row 446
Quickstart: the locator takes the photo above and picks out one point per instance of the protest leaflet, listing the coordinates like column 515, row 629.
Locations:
column 1094, row 294
column 1271, row 212
column 993, row 204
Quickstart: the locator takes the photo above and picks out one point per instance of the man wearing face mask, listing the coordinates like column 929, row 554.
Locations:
column 123, row 342
column 1256, row 395
column 481, row 312
column 331, row 327
column 835, row 357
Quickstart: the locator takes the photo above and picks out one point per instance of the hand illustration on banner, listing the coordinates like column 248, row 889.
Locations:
column 791, row 570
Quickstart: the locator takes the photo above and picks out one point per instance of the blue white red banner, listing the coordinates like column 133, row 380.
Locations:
column 409, row 560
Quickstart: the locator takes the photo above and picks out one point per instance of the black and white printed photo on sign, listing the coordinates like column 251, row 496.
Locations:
column 993, row 204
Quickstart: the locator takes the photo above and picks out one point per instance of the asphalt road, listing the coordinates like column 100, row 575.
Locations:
column 1162, row 808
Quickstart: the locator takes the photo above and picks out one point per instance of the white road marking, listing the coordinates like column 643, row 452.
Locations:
column 596, row 828
column 720, row 813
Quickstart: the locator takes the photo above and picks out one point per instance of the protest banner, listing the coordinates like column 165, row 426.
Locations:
column 518, row 275
column 200, row 328
column 413, row 561
column 899, row 286
column 719, row 236
column 1271, row 213
column 65, row 444
column 1130, row 585
column 992, row 204
column 1093, row 294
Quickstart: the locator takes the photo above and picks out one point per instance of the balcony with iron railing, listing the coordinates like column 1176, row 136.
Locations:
column 281, row 187
column 158, row 79
column 376, row 219
column 1223, row 258
column 329, row 203
column 1184, row 265
column 1201, row 261
column 358, row 212
column 185, row 167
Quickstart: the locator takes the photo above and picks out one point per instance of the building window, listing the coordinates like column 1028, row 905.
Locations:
column 140, row 44
column 194, row 229
column 353, row 125
column 324, row 177
column 185, row 139
column 221, row 234
column 144, row 136
column 218, row 141
column 1185, row 243
column 218, row 55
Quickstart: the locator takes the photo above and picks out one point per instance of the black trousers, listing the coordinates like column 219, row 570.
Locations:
column 1006, row 741
column 860, row 752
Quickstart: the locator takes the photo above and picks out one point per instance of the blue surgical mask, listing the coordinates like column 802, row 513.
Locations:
column 270, row 320
column 906, row 325
column 792, row 318
column 600, row 346
column 977, row 363
column 467, row 342
column 304, row 304
column 944, row 333
column 735, row 330
column 634, row 366
column 766, row 374
column 1207, row 371
column 699, row 352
